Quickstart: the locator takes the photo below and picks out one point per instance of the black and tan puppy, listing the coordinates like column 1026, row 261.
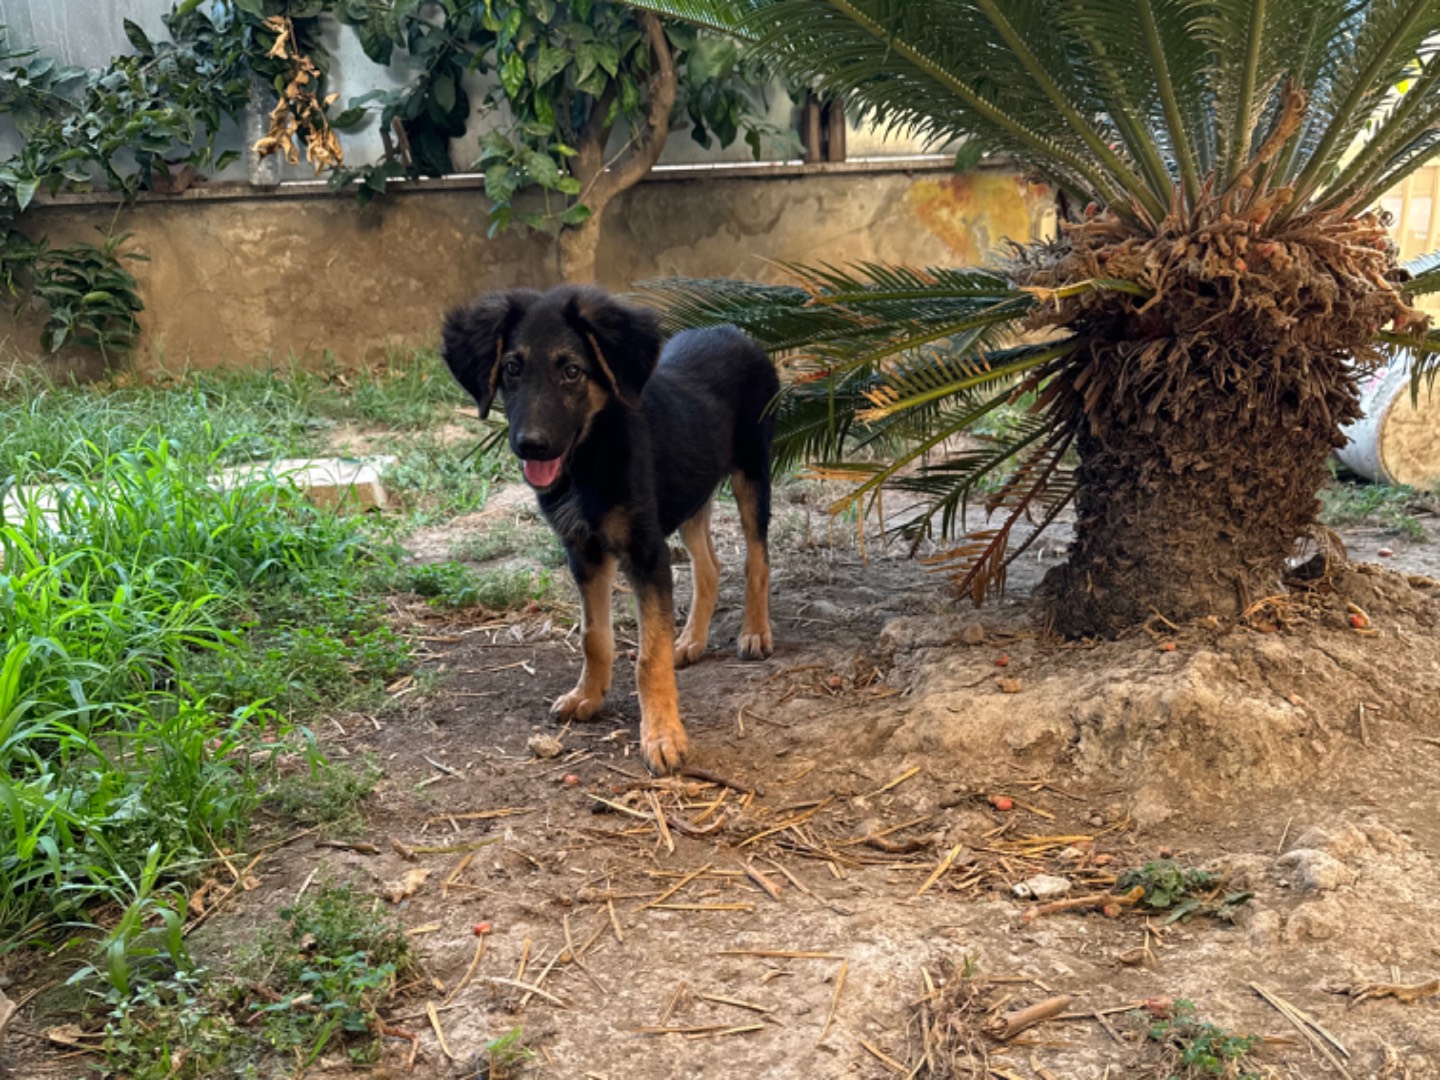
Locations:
column 624, row 444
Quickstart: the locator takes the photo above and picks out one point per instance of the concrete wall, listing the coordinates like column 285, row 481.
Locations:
column 256, row 278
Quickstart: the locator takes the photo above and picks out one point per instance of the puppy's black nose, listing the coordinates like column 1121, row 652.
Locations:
column 533, row 446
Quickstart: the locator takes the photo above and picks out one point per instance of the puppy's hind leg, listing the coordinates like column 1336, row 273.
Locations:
column 705, row 571
column 596, row 581
column 752, row 496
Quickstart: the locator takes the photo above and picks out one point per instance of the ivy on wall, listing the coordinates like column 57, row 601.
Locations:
column 566, row 74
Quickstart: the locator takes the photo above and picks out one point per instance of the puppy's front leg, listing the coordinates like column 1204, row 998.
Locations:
column 663, row 742
column 596, row 580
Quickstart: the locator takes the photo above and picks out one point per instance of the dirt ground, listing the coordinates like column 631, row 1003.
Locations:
column 845, row 844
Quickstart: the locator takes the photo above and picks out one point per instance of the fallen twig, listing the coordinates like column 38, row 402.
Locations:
column 518, row 985
column 1013, row 1023
column 1316, row 1035
column 771, row 889
column 1088, row 902
column 716, row 778
column 939, row 871
column 439, row 1031
column 882, row 1057
column 835, row 999
column 1400, row 992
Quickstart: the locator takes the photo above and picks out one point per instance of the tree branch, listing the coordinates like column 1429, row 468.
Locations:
column 589, row 160
column 664, row 87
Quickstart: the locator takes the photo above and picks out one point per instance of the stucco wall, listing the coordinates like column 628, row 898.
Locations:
column 257, row 278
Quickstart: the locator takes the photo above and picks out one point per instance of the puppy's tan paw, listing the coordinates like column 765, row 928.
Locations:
column 663, row 747
column 578, row 704
column 755, row 646
column 688, row 650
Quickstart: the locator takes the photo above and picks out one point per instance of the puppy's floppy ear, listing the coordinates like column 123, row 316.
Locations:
column 474, row 338
column 624, row 339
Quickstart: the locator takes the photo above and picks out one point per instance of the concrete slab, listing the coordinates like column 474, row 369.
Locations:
column 329, row 483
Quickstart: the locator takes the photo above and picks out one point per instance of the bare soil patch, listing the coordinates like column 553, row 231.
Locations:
column 863, row 806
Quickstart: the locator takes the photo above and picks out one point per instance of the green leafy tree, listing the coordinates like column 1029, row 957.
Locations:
column 133, row 125
column 1190, row 341
column 590, row 90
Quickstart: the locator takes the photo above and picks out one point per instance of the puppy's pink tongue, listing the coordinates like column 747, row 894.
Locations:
column 542, row 474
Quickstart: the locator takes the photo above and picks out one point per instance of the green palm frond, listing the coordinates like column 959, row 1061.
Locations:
column 845, row 317
column 1374, row 46
column 1192, row 125
column 723, row 16
column 1038, row 487
column 1423, row 353
column 1123, row 101
column 1424, row 271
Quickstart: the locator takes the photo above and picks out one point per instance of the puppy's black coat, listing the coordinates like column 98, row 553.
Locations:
column 624, row 444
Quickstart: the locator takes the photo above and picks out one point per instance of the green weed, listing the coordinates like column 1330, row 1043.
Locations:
column 174, row 1029
column 1182, row 892
column 119, row 601
column 155, row 628
column 498, row 541
column 51, row 429
column 506, row 1054
column 334, row 964
column 435, row 481
column 1199, row 1049
column 312, row 983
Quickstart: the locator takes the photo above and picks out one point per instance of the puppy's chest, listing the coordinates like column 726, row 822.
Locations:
column 583, row 524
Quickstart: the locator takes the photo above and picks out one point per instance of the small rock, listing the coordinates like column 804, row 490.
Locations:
column 1385, row 553
column 1247, row 871
column 973, row 634
column 1345, row 842
column 1042, row 887
column 1262, row 927
column 1382, row 839
column 1097, row 821
column 1320, row 920
column 1009, row 686
column 1152, row 805
column 1317, row 871
column 966, row 826
column 545, row 746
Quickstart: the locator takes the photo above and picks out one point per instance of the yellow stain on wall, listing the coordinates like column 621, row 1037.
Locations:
column 974, row 213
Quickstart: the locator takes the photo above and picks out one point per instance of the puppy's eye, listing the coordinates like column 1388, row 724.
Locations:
column 512, row 367
column 573, row 372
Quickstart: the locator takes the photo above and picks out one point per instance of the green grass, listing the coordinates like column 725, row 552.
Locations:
column 48, row 430
column 325, row 794
column 455, row 585
column 1398, row 510
column 117, row 731
column 154, row 631
column 437, row 481
column 163, row 642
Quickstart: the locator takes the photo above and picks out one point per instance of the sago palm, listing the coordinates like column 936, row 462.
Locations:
column 1192, row 337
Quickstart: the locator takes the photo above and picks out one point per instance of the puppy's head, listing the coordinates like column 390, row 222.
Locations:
column 557, row 359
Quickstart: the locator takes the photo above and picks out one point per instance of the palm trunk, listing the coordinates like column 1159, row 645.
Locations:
column 1192, row 518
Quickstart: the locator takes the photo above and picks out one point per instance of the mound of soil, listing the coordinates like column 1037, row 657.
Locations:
column 1178, row 715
